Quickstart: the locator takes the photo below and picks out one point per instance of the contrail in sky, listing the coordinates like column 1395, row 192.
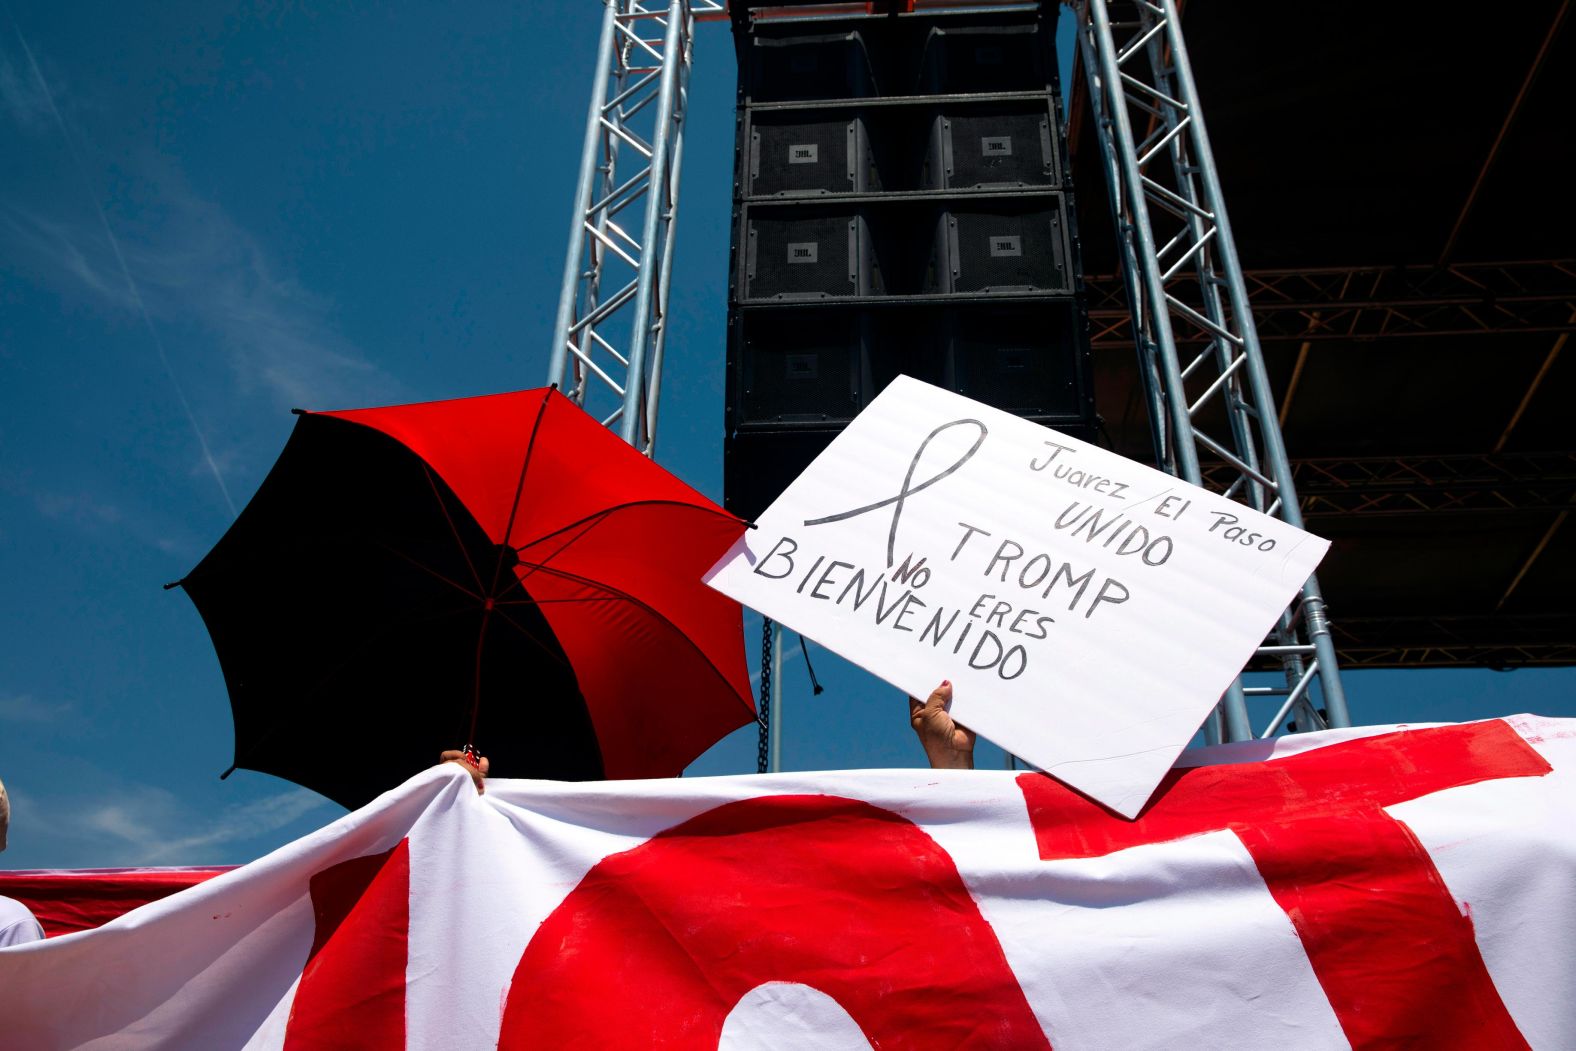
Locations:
column 120, row 258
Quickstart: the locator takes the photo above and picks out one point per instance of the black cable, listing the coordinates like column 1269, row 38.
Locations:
column 764, row 718
column 805, row 650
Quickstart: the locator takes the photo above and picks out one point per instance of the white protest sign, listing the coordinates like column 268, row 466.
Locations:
column 1088, row 610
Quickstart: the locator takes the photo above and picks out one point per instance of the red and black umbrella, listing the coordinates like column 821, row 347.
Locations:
column 502, row 570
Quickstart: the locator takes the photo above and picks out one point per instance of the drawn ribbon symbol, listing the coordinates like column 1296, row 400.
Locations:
column 909, row 489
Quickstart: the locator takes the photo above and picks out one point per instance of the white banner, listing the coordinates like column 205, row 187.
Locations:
column 1089, row 610
column 1396, row 887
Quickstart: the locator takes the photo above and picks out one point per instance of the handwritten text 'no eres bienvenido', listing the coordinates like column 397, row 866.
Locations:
column 1028, row 589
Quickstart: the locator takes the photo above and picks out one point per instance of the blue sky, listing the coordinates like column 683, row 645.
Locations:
column 213, row 212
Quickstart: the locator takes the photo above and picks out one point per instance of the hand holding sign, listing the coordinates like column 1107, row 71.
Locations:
column 948, row 745
column 1090, row 610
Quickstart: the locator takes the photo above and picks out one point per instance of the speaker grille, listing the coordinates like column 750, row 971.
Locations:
column 800, row 368
column 1028, row 361
column 793, row 154
column 800, row 255
column 1008, row 249
column 996, row 148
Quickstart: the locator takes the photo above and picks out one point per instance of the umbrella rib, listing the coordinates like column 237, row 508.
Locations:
column 453, row 530
column 607, row 511
column 555, row 654
column 519, row 488
column 557, row 601
column 627, row 597
column 591, row 521
column 461, row 588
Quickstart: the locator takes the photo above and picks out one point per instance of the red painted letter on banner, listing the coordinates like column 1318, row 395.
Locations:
column 656, row 945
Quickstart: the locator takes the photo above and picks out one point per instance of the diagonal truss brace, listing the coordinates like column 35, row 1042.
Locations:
column 609, row 334
column 1200, row 362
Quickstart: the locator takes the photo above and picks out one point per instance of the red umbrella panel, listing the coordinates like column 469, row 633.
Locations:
column 500, row 569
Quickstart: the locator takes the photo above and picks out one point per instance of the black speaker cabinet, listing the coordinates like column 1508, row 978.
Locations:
column 1008, row 245
column 807, row 254
column 798, row 367
column 997, row 146
column 794, row 153
column 961, row 60
column 1030, row 359
column 819, row 367
column 758, row 465
column 899, row 209
column 800, row 67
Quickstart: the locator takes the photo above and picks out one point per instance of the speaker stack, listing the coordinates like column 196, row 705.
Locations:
column 900, row 207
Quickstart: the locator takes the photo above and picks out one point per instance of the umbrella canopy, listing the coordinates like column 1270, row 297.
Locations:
column 499, row 569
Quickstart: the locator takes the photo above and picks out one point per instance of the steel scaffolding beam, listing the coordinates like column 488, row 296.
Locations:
column 1498, row 641
column 1432, row 485
column 1197, row 344
column 608, row 338
column 1363, row 303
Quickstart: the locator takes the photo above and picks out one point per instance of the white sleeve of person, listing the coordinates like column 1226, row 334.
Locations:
column 17, row 925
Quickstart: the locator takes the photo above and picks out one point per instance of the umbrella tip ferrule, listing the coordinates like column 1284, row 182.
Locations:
column 752, row 525
column 298, row 412
column 175, row 584
column 228, row 772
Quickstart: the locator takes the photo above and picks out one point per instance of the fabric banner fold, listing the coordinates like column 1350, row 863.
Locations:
column 1399, row 886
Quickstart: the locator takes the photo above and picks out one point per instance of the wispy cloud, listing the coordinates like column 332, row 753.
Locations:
column 21, row 98
column 145, row 825
column 126, row 275
column 198, row 267
column 81, row 507
column 184, row 270
column 95, row 516
column 237, row 824
column 25, row 708
column 202, row 266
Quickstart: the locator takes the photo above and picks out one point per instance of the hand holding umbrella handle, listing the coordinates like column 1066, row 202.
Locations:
column 473, row 764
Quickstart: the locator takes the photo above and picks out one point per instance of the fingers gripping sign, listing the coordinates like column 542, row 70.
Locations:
column 948, row 744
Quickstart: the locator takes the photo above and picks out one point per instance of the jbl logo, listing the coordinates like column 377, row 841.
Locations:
column 807, row 153
column 1001, row 246
column 804, row 252
column 996, row 146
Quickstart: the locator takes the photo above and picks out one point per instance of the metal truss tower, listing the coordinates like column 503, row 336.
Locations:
column 609, row 335
column 1212, row 411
